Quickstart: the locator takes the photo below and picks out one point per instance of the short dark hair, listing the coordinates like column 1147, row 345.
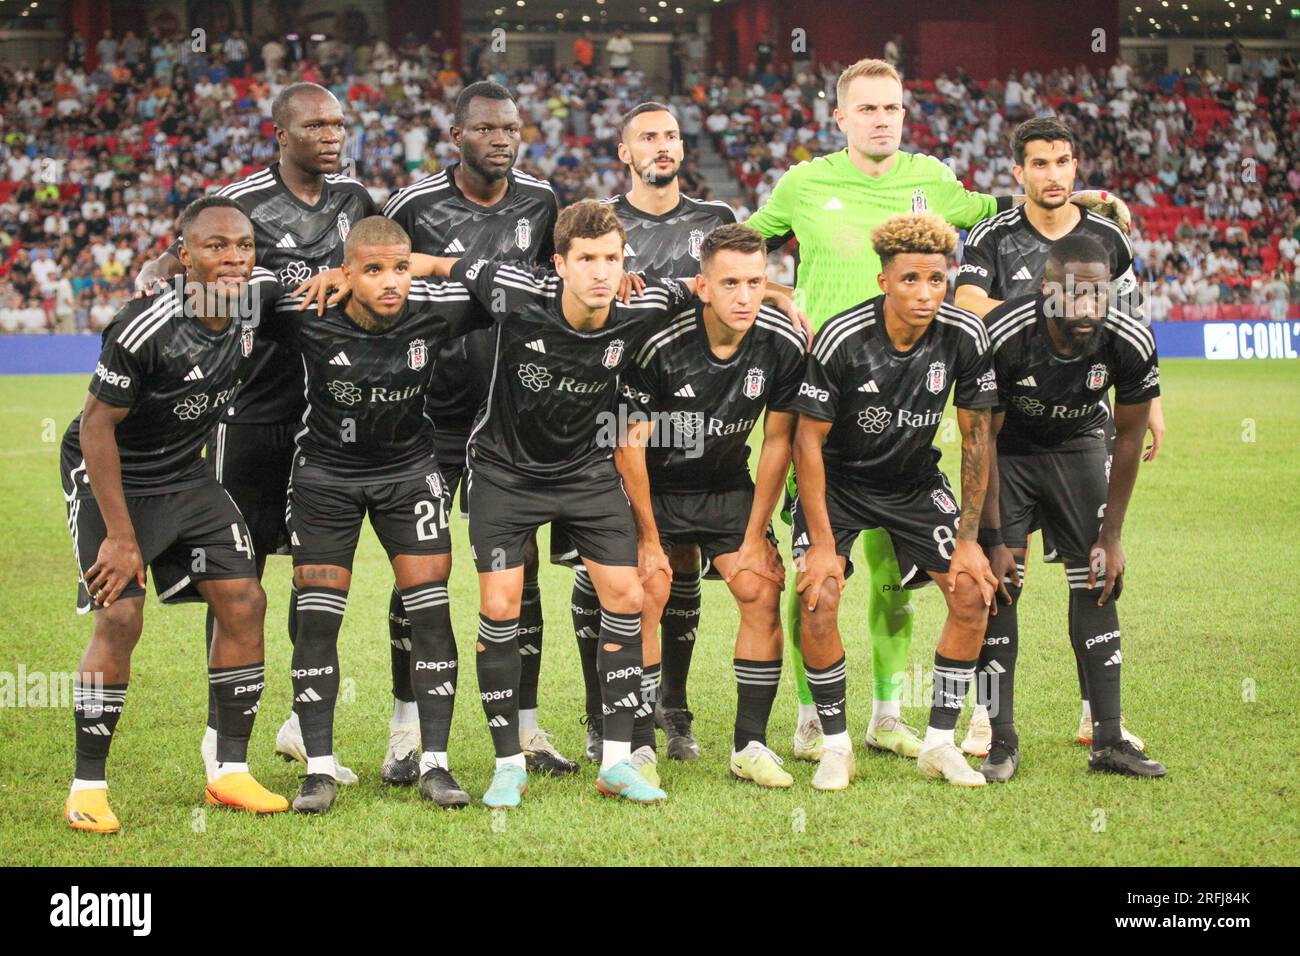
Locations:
column 734, row 237
column 587, row 219
column 374, row 231
column 282, row 107
column 483, row 89
column 185, row 221
column 650, row 106
column 1076, row 247
column 1046, row 128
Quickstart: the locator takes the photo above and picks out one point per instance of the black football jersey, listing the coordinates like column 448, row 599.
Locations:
column 703, row 407
column 668, row 245
column 176, row 376
column 1006, row 257
column 1056, row 403
column 542, row 422
column 441, row 221
column 294, row 241
column 885, row 405
column 365, row 418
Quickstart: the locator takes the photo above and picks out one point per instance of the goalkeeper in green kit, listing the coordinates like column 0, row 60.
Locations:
column 830, row 205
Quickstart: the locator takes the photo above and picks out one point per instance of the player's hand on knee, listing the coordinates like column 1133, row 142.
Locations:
column 117, row 564
column 650, row 560
column 759, row 557
column 968, row 559
column 1003, row 565
column 821, row 565
column 1106, row 561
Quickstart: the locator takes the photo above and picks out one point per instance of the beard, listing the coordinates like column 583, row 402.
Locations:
column 652, row 177
column 1079, row 348
column 492, row 174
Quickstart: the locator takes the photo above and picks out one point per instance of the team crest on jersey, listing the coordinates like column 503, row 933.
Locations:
column 523, row 233
column 246, row 339
column 344, row 226
column 613, row 354
column 417, row 355
column 936, row 378
column 919, row 203
column 943, row 501
column 435, row 484
column 754, row 383
column 1097, row 377
column 696, row 240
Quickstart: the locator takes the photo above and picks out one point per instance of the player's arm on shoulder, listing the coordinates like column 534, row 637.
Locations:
column 1104, row 203
column 975, row 276
column 119, row 560
column 157, row 272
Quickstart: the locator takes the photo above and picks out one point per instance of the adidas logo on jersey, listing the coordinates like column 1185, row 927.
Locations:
column 340, row 359
column 536, row 345
column 1024, row 275
column 194, row 374
column 834, row 203
column 454, row 246
column 286, row 242
column 627, row 250
column 1028, row 382
column 685, row 392
column 869, row 386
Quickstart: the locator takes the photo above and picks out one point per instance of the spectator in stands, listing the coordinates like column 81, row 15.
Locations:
column 584, row 52
column 106, row 50
column 1235, row 54
column 620, row 49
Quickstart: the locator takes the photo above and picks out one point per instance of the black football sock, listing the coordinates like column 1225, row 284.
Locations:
column 952, row 678
column 433, row 661
column 293, row 612
column 756, row 685
column 316, row 665
column 995, row 688
column 585, row 606
column 96, row 709
column 237, row 690
column 681, row 620
column 497, row 663
column 210, row 626
column 828, row 686
column 618, row 661
column 643, row 725
column 1094, row 632
column 530, row 641
column 399, row 647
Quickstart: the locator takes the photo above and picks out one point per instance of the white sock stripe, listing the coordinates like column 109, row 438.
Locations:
column 90, row 693
column 584, row 585
column 232, row 677
column 827, row 678
column 497, row 627
column 627, row 625
column 685, row 588
column 750, row 671
column 953, row 673
column 321, row 607
column 428, row 597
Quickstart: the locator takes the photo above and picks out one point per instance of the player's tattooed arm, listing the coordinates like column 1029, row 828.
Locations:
column 629, row 459
column 119, row 560
column 756, row 553
column 1001, row 560
column 819, row 563
column 967, row 556
column 1130, row 428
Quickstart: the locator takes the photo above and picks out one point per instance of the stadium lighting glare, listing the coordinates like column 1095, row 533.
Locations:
column 1138, row 9
column 521, row 3
column 678, row 10
column 559, row 16
column 654, row 19
column 663, row 3
column 586, row 19
column 498, row 11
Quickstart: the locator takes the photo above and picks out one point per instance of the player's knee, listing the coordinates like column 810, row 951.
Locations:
column 821, row 623
column 966, row 603
column 758, row 598
column 655, row 593
column 500, row 607
column 625, row 595
column 120, row 625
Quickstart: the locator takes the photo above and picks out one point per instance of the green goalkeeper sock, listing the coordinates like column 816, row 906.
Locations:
column 889, row 616
column 802, row 692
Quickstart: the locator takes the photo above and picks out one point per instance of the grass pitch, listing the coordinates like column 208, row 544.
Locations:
column 1211, row 667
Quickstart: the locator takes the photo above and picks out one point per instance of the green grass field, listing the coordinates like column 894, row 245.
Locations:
column 1211, row 670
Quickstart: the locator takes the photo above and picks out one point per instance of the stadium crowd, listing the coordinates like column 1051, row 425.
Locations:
column 95, row 162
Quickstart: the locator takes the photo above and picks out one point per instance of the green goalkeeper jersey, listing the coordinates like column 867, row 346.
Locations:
column 831, row 207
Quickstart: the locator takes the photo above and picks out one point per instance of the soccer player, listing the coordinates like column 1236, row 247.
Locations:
column 139, row 495
column 701, row 385
column 830, row 205
column 479, row 207
column 1056, row 354
column 302, row 210
column 540, row 452
column 1005, row 257
column 665, row 232
column 366, row 448
column 877, row 382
